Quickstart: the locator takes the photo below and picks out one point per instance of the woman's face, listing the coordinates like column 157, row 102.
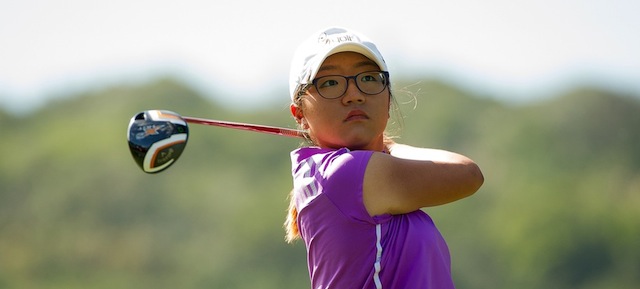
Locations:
column 355, row 120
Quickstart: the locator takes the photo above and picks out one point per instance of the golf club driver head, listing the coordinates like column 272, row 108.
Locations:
column 156, row 139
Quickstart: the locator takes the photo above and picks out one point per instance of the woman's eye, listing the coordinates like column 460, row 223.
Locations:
column 369, row 77
column 330, row 82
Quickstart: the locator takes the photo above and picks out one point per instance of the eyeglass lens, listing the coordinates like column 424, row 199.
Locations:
column 334, row 86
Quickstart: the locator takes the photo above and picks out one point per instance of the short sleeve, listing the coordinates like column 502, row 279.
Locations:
column 337, row 175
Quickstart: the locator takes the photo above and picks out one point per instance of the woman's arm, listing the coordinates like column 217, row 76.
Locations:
column 412, row 178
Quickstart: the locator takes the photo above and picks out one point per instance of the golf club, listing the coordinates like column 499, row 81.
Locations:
column 157, row 137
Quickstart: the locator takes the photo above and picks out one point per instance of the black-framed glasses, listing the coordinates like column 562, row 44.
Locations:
column 368, row 82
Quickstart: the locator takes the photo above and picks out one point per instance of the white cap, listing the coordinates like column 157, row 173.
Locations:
column 311, row 54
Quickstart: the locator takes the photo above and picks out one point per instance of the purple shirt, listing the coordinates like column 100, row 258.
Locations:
column 347, row 248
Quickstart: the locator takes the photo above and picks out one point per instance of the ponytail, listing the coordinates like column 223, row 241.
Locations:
column 291, row 222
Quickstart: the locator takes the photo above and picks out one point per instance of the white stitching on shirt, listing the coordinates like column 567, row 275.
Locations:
column 377, row 265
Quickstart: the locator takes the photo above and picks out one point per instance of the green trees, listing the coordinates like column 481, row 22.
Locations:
column 559, row 208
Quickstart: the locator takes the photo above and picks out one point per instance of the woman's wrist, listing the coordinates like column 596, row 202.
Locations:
column 398, row 150
column 389, row 145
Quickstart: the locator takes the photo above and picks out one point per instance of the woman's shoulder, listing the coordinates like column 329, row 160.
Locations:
column 322, row 155
column 303, row 153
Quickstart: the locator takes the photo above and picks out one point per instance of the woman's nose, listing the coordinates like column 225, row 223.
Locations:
column 353, row 94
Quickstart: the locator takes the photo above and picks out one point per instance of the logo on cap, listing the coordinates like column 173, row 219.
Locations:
column 338, row 38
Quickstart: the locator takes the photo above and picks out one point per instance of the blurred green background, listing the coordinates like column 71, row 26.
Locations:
column 560, row 207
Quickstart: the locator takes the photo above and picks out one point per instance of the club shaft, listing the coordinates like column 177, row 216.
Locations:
column 246, row 126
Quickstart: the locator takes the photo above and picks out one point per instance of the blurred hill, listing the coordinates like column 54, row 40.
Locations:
column 559, row 208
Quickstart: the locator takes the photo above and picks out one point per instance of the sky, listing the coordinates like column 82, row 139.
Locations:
column 241, row 50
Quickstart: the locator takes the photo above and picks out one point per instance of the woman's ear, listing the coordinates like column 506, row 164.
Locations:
column 297, row 113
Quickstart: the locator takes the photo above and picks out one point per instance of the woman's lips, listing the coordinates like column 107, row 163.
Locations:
column 356, row 114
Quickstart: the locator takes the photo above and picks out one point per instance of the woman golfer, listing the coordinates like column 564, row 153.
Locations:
column 357, row 195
